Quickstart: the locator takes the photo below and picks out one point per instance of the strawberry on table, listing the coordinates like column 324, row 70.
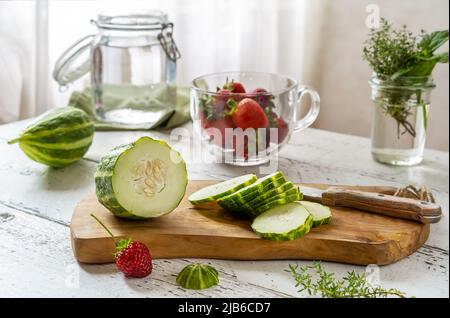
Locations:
column 132, row 258
column 248, row 114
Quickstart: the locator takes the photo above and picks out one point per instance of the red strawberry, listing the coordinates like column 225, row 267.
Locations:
column 259, row 91
column 132, row 258
column 221, row 99
column 216, row 126
column 235, row 87
column 248, row 114
column 281, row 125
column 283, row 130
column 261, row 96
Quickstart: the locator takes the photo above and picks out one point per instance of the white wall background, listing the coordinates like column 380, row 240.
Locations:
column 317, row 41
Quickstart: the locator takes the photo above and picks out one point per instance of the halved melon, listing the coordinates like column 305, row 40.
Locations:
column 144, row 179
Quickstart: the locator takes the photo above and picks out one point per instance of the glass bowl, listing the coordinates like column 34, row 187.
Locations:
column 245, row 118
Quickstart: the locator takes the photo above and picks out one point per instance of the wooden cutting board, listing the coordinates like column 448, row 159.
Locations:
column 353, row 237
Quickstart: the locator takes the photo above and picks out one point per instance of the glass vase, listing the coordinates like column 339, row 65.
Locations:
column 400, row 118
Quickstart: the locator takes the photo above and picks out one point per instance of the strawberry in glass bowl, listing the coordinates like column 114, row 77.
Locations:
column 246, row 117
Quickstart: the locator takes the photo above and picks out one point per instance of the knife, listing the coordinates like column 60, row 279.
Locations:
column 375, row 202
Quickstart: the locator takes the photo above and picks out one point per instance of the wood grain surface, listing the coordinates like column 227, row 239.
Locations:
column 37, row 204
column 353, row 237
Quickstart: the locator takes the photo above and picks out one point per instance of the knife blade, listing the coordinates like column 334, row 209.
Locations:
column 375, row 202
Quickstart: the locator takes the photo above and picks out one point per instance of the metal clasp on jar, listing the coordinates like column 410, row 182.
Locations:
column 168, row 43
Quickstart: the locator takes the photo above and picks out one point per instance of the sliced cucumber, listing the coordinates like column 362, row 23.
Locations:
column 250, row 210
column 270, row 193
column 253, row 190
column 283, row 223
column 321, row 214
column 267, row 187
column 219, row 190
column 277, row 202
column 257, row 203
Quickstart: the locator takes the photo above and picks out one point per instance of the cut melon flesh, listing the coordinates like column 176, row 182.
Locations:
column 148, row 181
column 219, row 190
column 321, row 214
column 144, row 179
column 284, row 222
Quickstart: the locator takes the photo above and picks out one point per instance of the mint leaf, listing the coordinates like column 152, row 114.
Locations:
column 431, row 42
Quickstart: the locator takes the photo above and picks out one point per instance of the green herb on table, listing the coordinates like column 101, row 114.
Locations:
column 403, row 59
column 325, row 284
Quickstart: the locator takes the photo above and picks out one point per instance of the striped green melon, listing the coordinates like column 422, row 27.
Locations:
column 321, row 214
column 276, row 202
column 284, row 198
column 143, row 179
column 271, row 193
column 198, row 276
column 290, row 192
column 253, row 190
column 57, row 138
column 273, row 183
column 281, row 192
column 214, row 192
column 283, row 223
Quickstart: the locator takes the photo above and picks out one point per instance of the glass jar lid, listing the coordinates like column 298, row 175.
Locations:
column 74, row 62
column 131, row 20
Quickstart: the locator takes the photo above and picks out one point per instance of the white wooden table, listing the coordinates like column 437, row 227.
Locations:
column 36, row 205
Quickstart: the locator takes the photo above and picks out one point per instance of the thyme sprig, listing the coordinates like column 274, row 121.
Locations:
column 396, row 54
column 393, row 53
column 325, row 284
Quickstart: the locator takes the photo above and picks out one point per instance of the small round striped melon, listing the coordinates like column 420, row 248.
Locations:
column 57, row 138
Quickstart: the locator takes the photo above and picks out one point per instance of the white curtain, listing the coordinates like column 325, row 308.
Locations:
column 17, row 60
column 261, row 35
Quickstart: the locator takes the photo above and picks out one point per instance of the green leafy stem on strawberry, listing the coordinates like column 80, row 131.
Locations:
column 132, row 258
column 215, row 106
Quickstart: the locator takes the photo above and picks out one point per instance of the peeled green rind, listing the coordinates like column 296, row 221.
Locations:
column 283, row 223
column 216, row 191
column 163, row 204
column 253, row 190
column 321, row 213
column 198, row 276
column 57, row 138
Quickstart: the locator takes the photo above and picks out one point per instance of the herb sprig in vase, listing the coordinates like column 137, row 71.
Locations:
column 401, row 87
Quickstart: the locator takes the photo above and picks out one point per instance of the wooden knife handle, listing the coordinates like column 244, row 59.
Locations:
column 405, row 208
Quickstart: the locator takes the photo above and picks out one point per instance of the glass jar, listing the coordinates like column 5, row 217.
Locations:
column 132, row 61
column 400, row 119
